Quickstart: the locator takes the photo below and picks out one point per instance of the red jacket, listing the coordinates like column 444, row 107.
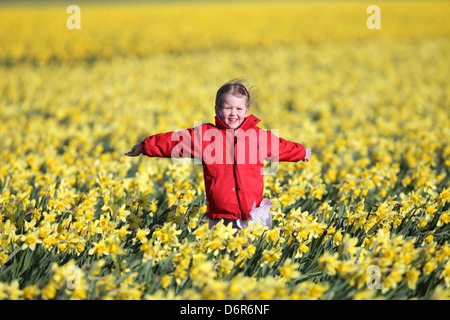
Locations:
column 233, row 161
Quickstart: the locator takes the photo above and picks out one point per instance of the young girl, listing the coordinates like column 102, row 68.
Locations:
column 232, row 153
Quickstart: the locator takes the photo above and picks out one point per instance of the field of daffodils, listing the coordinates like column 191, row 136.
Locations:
column 367, row 218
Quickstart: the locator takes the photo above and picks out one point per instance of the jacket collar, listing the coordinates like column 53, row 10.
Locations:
column 249, row 122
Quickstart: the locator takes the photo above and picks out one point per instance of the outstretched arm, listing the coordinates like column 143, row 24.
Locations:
column 173, row 144
column 284, row 150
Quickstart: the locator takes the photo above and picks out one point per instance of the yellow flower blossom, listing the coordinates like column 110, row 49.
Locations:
column 141, row 234
column 328, row 263
column 289, row 269
column 99, row 249
column 412, row 276
column 30, row 240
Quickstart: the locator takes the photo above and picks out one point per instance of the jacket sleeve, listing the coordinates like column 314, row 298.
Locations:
column 283, row 150
column 173, row 144
column 291, row 151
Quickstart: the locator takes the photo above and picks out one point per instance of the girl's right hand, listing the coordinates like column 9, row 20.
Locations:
column 135, row 151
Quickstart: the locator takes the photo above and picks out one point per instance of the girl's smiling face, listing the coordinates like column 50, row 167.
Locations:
column 234, row 110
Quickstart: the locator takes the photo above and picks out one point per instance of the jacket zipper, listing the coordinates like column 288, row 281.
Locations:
column 238, row 182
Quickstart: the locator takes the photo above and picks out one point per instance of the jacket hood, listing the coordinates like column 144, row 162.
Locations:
column 249, row 122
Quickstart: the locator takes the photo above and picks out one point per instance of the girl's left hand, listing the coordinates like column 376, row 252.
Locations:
column 308, row 155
